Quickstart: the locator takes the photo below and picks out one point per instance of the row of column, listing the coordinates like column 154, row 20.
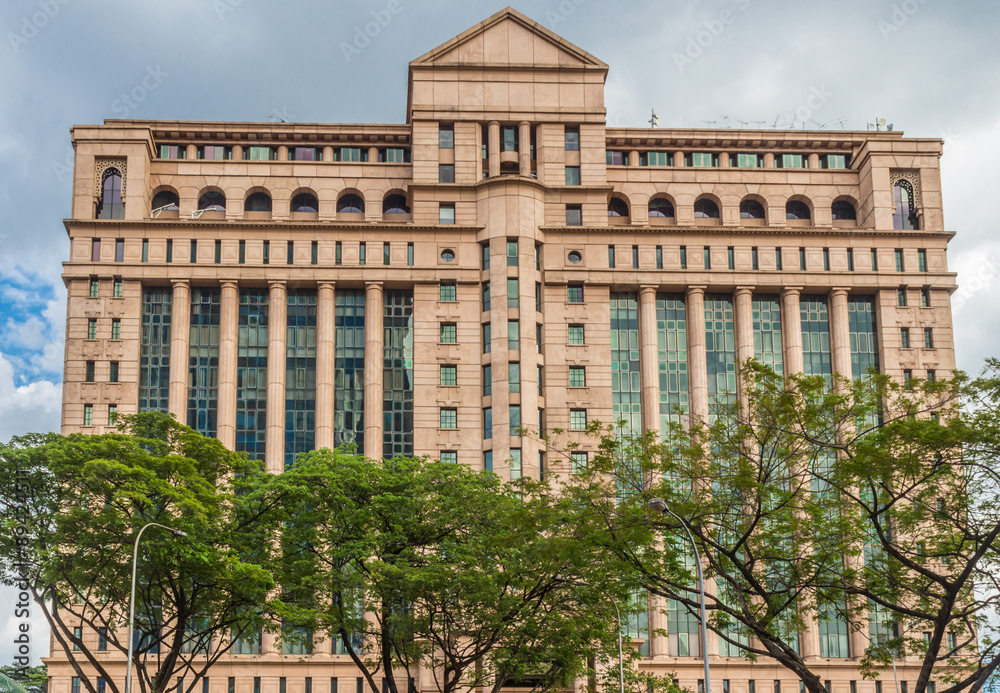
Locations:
column 699, row 401
column 523, row 148
column 276, row 356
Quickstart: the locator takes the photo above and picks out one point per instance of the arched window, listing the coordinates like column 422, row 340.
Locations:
column 395, row 204
column 661, row 207
column 842, row 210
column 904, row 218
column 212, row 202
column 706, row 209
column 351, row 203
column 111, row 205
column 796, row 209
column 305, row 202
column 165, row 201
column 617, row 207
column 257, row 202
column 751, row 209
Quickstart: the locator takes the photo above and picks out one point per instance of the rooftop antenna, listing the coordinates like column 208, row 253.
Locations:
column 710, row 122
column 841, row 123
column 776, row 119
column 742, row 123
column 274, row 118
column 821, row 126
column 654, row 120
column 878, row 124
column 759, row 123
column 725, row 121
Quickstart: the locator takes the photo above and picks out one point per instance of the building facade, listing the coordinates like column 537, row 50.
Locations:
column 503, row 259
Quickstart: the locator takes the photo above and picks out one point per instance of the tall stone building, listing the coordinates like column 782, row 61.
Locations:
column 501, row 259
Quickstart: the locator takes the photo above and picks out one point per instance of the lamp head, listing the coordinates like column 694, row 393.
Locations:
column 658, row 504
column 179, row 533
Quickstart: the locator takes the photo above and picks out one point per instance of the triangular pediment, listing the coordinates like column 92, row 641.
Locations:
column 509, row 38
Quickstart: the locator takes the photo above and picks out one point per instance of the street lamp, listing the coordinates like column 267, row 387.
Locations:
column 660, row 506
column 131, row 600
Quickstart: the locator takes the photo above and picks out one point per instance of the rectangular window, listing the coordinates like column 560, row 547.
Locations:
column 77, row 636
column 574, row 215
column 448, row 376
column 904, row 338
column 834, row 161
column 802, row 259
column 267, row 252
column 635, row 257
column 486, row 256
column 394, row 155
column 928, row 338
column 754, row 259
column 95, row 250
column 513, row 300
column 88, row 414
column 113, row 372
column 515, row 421
column 578, row 462
column 702, row 159
column 850, row 259
column 116, row 287
column 826, row 259
column 487, row 302
column 338, row 253
column 215, row 152
column 509, row 138
column 102, row 639
column 120, row 250
column 747, row 161
column 446, row 173
column 488, row 424
column 487, row 381
column 512, row 253
column 243, row 252
column 218, row 252
column 112, row 414
column 513, row 335
column 921, row 260
column 731, row 257
column 314, row 253
column 925, row 298
column 95, row 286
column 572, row 138
column 684, row 257
column 488, row 461
column 619, row 158
column 89, row 372
column 572, row 175
column 751, row 686
column 449, row 333
column 74, row 685
column 538, row 297
column 145, row 250
column 538, row 258
column 290, row 253
column 350, row 154
column 362, row 254
column 659, row 257
column 651, row 159
column 707, row 253
column 283, row 685
column 487, row 337
column 514, row 377
column 256, row 684
column 446, row 136
column 173, row 151
column 611, row 256
column 790, row 161
column 446, row 213
column 577, row 419
column 449, row 418
column 448, row 292
column 259, row 154
column 538, row 337
column 516, row 469
column 725, row 686
column 116, row 328
column 874, row 260
column 385, row 253
column 901, row 296
column 574, row 293
column 92, row 328
column 899, row 259
column 449, row 457
column 777, row 259
column 577, row 376
column 303, row 154
column 576, row 335
column 409, row 254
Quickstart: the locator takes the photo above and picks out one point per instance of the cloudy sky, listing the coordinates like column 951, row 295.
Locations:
column 930, row 67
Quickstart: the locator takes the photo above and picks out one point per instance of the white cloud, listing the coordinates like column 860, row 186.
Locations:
column 27, row 408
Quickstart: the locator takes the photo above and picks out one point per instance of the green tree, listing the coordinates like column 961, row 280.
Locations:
column 70, row 507
column 30, row 679
column 434, row 564
column 869, row 506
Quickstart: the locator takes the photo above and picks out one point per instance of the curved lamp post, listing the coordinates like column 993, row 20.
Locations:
column 660, row 505
column 131, row 600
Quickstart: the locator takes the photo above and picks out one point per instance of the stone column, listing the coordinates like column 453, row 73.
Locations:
column 192, row 151
column 228, row 334
column 697, row 355
column 791, row 330
column 180, row 336
column 493, row 148
column 743, row 306
column 840, row 333
column 524, row 148
column 324, row 365
column 633, row 158
column 277, row 322
column 648, row 361
column 373, row 371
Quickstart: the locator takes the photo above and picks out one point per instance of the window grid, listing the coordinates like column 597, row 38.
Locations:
column 397, row 368
column 816, row 357
column 448, row 292
column 864, row 343
column 672, row 359
column 514, row 377
column 626, row 386
column 251, row 373
column 300, row 374
column 577, row 376
column 720, row 348
column 203, row 360
column 349, row 369
column 154, row 349
column 767, row 340
column 577, row 335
